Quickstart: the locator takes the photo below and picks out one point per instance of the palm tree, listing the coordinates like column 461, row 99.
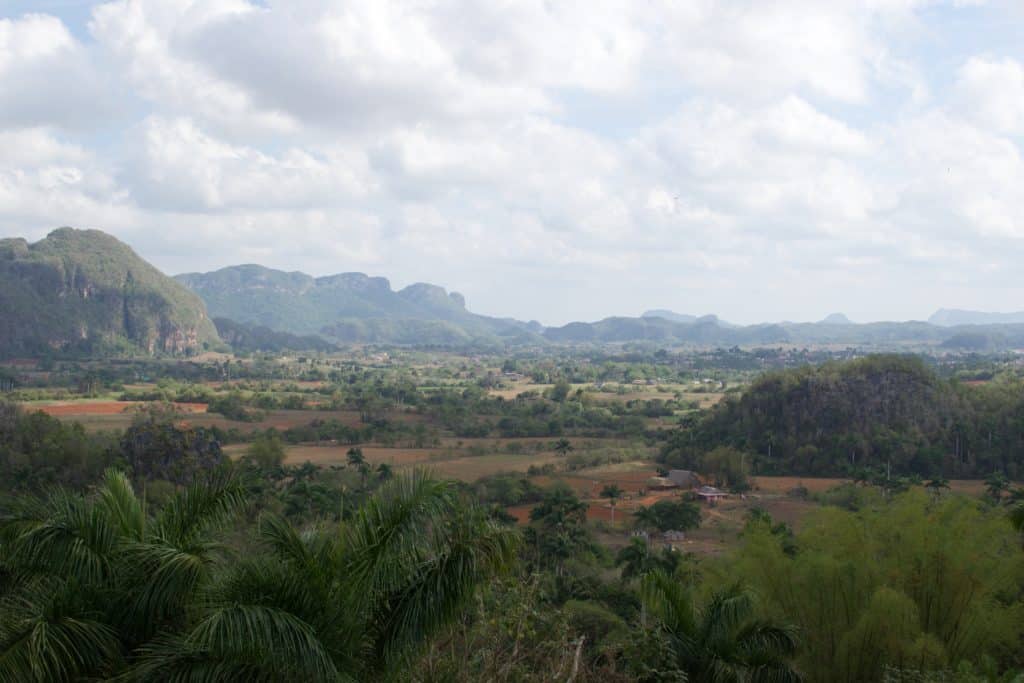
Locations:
column 996, row 484
column 721, row 641
column 384, row 471
column 563, row 447
column 357, row 460
column 355, row 457
column 613, row 493
column 97, row 577
column 103, row 590
column 936, row 484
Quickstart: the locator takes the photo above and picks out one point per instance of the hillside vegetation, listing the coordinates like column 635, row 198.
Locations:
column 85, row 291
column 884, row 412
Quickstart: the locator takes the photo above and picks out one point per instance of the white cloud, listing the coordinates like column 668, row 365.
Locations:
column 991, row 92
column 620, row 153
column 176, row 166
column 47, row 77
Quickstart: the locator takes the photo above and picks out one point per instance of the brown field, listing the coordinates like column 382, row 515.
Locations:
column 472, row 468
column 443, row 461
column 84, row 408
column 336, row 455
column 107, row 415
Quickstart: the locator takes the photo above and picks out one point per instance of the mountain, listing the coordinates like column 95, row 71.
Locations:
column 83, row 291
column 349, row 307
column 702, row 331
column 669, row 315
column 836, row 319
column 950, row 317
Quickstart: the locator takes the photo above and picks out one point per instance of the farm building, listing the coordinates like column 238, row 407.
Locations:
column 711, row 495
column 684, row 479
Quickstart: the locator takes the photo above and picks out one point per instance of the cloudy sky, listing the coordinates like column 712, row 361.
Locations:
column 557, row 160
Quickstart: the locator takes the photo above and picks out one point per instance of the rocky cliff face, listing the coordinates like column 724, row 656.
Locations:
column 84, row 291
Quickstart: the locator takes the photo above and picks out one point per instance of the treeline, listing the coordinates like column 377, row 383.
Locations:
column 888, row 413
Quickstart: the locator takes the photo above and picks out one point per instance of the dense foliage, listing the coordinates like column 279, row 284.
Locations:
column 95, row 587
column 889, row 413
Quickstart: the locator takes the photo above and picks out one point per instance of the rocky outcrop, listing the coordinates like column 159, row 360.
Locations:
column 83, row 291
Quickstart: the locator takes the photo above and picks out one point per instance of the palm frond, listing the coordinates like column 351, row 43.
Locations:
column 275, row 639
column 767, row 643
column 118, row 499
column 171, row 658
column 726, row 613
column 671, row 602
column 68, row 536
column 162, row 584
column 463, row 553
column 50, row 630
column 387, row 534
column 312, row 550
column 202, row 506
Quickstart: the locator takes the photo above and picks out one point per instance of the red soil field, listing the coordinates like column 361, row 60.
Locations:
column 107, row 408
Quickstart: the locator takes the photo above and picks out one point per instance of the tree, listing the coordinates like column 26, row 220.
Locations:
column 563, row 447
column 266, row 451
column 356, row 459
column 384, row 471
column 936, row 485
column 722, row 640
column 613, row 493
column 996, row 485
column 558, row 529
column 646, row 518
column 157, row 447
column 96, row 589
column 669, row 515
column 637, row 559
column 560, row 391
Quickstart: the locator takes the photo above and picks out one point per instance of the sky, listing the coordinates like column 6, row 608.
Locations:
column 762, row 160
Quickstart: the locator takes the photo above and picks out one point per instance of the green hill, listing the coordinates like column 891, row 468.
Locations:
column 83, row 291
column 887, row 413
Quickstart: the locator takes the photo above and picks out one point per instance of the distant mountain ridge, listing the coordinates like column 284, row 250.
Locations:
column 684, row 318
column 83, row 291
column 951, row 317
column 669, row 315
column 348, row 307
column 707, row 330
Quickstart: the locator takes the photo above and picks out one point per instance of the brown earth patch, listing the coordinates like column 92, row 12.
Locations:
column 72, row 408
